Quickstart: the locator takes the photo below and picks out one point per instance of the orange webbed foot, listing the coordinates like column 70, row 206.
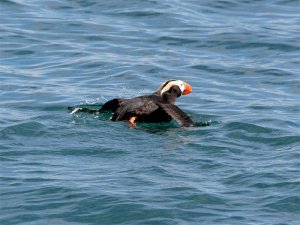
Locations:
column 131, row 121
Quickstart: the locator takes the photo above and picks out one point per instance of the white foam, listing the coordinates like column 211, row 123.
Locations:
column 75, row 110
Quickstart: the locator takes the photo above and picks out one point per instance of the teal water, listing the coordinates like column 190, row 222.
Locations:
column 242, row 60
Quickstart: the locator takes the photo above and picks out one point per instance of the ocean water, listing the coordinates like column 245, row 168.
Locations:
column 240, row 57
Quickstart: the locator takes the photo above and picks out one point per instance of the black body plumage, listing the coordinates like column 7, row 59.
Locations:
column 155, row 108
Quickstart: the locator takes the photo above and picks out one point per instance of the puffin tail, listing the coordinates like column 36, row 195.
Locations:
column 110, row 106
column 91, row 108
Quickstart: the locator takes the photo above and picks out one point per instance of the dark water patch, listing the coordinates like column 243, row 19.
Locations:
column 206, row 68
column 223, row 4
column 246, row 178
column 159, row 129
column 54, row 201
column 47, row 107
column 176, row 40
column 24, row 129
column 249, row 128
column 292, row 185
column 287, row 204
column 270, row 46
column 198, row 199
column 19, row 52
column 6, row 158
column 126, row 212
column 291, row 3
column 7, row 179
column 272, row 141
column 274, row 72
column 288, row 140
column 93, row 152
column 136, row 14
column 8, row 3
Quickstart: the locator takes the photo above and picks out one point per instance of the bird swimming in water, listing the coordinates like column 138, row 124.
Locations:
column 154, row 108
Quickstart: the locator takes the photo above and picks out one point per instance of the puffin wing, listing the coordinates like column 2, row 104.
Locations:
column 138, row 106
column 113, row 105
column 177, row 114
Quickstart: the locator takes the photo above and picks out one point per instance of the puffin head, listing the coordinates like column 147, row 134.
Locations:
column 172, row 89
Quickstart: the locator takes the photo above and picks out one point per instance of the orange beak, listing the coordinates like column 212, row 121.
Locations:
column 187, row 89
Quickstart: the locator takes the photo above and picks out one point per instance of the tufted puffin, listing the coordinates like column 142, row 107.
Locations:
column 154, row 108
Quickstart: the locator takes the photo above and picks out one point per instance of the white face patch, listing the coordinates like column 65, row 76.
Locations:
column 163, row 88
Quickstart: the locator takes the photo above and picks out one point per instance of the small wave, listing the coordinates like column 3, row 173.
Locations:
column 10, row 3
column 250, row 128
column 287, row 204
column 32, row 128
column 139, row 14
